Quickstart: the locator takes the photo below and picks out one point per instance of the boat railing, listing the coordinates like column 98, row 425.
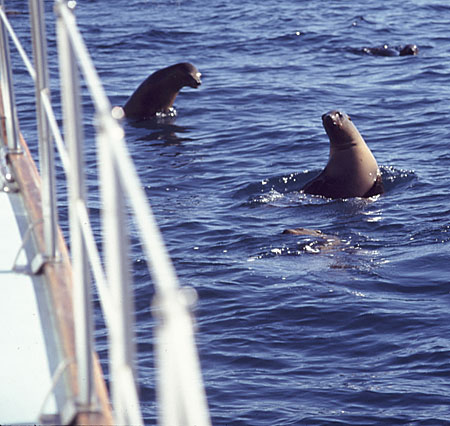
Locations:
column 180, row 391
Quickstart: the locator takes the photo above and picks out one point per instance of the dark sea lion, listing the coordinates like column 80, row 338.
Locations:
column 386, row 50
column 409, row 49
column 158, row 92
column 352, row 170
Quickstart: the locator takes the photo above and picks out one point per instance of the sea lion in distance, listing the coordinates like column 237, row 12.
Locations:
column 324, row 242
column 352, row 170
column 385, row 50
column 158, row 92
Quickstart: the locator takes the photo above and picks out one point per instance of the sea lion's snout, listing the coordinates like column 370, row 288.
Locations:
column 331, row 117
column 327, row 118
column 196, row 80
column 334, row 117
column 187, row 75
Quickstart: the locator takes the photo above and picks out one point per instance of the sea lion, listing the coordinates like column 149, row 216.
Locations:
column 352, row 170
column 386, row 50
column 158, row 92
column 322, row 242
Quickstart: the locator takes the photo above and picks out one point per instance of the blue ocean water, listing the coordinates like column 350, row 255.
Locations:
column 290, row 331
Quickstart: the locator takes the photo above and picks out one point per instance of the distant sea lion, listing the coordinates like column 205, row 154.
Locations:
column 385, row 50
column 352, row 170
column 322, row 242
column 158, row 92
column 305, row 231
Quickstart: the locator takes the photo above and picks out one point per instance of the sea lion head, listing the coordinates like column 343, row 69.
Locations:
column 409, row 49
column 340, row 129
column 186, row 74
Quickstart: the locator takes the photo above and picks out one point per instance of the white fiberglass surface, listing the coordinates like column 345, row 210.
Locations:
column 24, row 372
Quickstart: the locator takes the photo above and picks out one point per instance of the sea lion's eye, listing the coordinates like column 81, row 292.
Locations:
column 349, row 117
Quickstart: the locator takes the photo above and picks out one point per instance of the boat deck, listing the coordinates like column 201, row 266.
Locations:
column 38, row 372
column 25, row 370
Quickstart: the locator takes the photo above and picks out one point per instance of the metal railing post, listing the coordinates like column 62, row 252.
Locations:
column 7, row 88
column 122, row 350
column 46, row 148
column 70, row 93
